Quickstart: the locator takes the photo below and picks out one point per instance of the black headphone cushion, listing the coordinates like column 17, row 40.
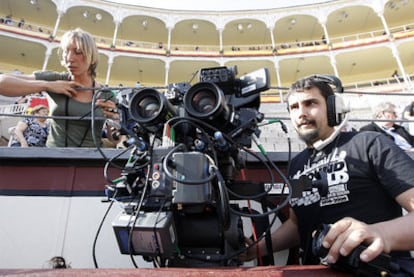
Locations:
column 331, row 111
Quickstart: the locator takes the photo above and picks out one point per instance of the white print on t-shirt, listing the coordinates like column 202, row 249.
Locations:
column 337, row 178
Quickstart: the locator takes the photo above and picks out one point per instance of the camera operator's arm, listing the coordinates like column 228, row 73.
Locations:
column 21, row 85
column 285, row 237
column 396, row 234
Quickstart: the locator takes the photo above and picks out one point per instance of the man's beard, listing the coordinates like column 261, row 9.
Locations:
column 309, row 136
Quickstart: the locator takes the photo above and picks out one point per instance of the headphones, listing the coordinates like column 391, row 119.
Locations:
column 335, row 105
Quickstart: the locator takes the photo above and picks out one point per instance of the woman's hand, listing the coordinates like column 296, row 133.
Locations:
column 108, row 107
column 67, row 88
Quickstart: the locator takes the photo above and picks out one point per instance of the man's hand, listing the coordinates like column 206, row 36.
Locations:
column 346, row 234
column 251, row 252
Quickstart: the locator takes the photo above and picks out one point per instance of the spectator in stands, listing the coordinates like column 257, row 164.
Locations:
column 21, row 23
column 22, row 100
column 348, row 128
column 408, row 114
column 9, row 20
column 72, row 92
column 324, row 40
column 386, row 112
column 16, row 72
column 368, row 179
column 395, row 74
column 32, row 131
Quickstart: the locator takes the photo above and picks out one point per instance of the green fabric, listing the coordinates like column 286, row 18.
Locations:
column 76, row 129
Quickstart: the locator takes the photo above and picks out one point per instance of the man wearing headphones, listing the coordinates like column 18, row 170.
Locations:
column 363, row 199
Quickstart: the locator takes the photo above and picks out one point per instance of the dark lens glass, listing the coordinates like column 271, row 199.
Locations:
column 148, row 107
column 204, row 101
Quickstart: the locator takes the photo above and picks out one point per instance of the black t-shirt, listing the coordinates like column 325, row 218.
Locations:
column 364, row 171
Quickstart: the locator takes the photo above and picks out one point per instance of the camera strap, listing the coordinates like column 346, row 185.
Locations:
column 67, row 124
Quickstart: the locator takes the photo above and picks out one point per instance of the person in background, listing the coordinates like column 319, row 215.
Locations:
column 386, row 112
column 72, row 92
column 110, row 134
column 32, row 131
column 395, row 74
column 23, row 99
column 58, row 262
column 368, row 180
column 348, row 128
column 408, row 114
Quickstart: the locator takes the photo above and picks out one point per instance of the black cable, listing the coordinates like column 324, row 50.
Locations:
column 262, row 194
column 192, row 121
column 154, row 229
column 97, row 145
column 98, row 232
column 262, row 236
column 171, row 176
column 286, row 181
column 137, row 211
column 131, row 230
column 268, row 241
column 224, row 199
column 280, row 206
column 110, row 162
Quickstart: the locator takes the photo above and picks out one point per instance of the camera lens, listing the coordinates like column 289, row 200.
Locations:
column 150, row 107
column 206, row 101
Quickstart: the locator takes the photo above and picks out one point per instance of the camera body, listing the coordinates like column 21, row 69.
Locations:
column 186, row 152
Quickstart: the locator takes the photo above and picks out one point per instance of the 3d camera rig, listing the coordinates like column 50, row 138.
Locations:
column 187, row 147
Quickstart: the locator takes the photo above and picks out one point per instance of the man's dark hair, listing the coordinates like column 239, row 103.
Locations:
column 308, row 83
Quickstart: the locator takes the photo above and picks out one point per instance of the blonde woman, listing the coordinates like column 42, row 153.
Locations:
column 79, row 55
